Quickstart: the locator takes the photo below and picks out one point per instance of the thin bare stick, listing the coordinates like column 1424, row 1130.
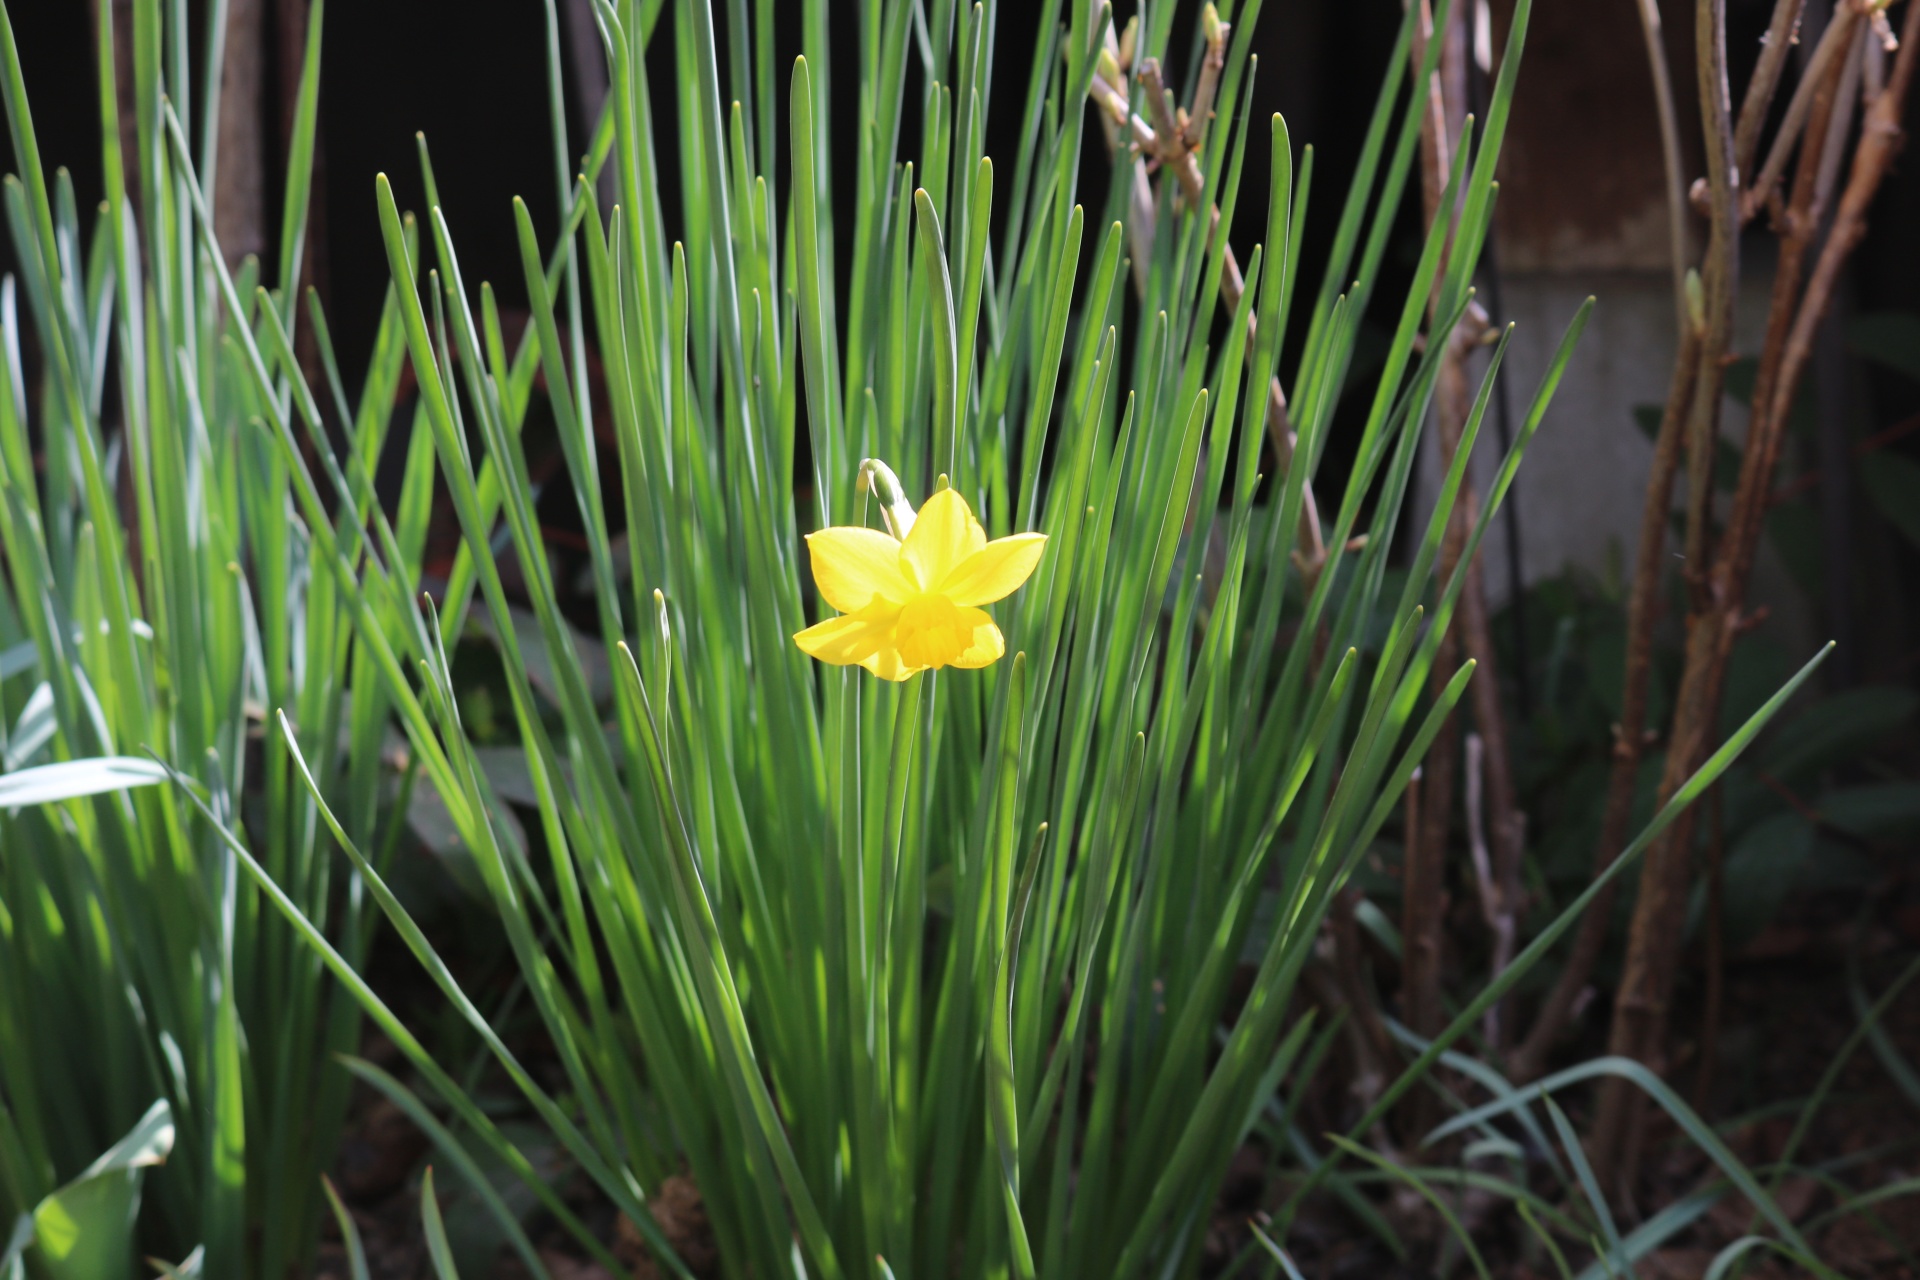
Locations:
column 1171, row 142
column 1834, row 41
column 1670, row 153
column 1721, row 278
column 239, row 181
column 1880, row 141
column 1108, row 90
column 1881, row 138
column 1874, row 72
column 1442, row 134
column 1781, row 33
column 1840, row 122
column 1425, row 871
column 1211, row 64
column 1805, row 212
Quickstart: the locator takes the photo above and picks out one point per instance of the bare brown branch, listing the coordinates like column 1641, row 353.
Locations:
column 1766, row 79
column 1718, row 616
column 1639, row 1011
column 1834, row 41
column 1650, row 27
column 1442, row 133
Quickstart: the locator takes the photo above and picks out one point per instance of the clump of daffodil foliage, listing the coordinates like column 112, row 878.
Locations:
column 984, row 968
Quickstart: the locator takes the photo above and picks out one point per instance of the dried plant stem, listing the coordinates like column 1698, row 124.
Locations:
column 1834, row 41
column 1881, row 138
column 1766, row 79
column 1721, row 279
column 1442, row 134
column 1718, row 616
column 1173, row 142
column 1788, row 314
column 1424, row 910
column 239, row 206
column 120, row 14
column 1650, row 27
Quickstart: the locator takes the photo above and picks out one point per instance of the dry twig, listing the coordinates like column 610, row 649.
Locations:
column 1443, row 131
column 1650, row 28
column 1172, row 142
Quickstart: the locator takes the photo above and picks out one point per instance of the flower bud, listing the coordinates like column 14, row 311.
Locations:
column 878, row 478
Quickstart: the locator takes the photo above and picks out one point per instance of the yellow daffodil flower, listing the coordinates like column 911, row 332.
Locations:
column 912, row 603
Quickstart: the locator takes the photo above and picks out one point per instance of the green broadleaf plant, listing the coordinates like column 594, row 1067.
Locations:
column 85, row 1229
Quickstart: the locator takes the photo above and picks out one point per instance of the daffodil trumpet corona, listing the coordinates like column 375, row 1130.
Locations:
column 910, row 597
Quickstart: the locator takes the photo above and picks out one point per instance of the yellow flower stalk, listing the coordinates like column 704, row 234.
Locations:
column 909, row 600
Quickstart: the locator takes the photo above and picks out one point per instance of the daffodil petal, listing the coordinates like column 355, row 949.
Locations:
column 887, row 665
column 852, row 637
column 988, row 644
column 995, row 570
column 851, row 566
column 943, row 534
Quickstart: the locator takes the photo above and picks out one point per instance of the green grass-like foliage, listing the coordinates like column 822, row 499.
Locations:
column 935, row 973
column 134, row 964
